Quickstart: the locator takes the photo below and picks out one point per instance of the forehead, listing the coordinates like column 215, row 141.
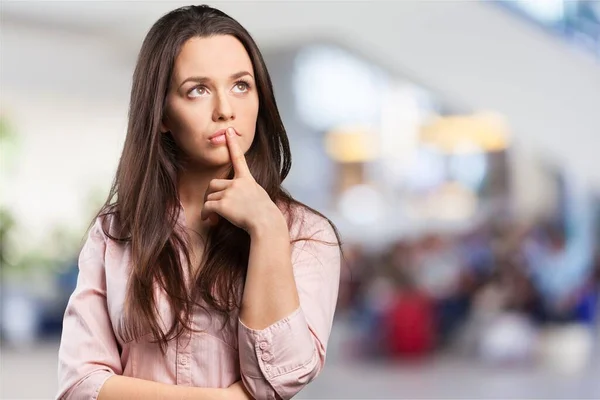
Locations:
column 213, row 57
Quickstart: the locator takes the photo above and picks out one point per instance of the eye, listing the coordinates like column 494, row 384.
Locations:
column 197, row 91
column 241, row 86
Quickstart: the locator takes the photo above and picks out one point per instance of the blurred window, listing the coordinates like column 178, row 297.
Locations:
column 577, row 21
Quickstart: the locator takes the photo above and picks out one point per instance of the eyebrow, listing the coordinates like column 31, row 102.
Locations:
column 203, row 79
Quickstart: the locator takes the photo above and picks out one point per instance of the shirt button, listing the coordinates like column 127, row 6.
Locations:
column 183, row 360
column 267, row 368
column 264, row 345
column 265, row 356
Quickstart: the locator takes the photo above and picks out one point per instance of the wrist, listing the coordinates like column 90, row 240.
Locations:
column 272, row 224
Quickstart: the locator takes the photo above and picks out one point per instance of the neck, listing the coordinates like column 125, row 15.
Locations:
column 192, row 185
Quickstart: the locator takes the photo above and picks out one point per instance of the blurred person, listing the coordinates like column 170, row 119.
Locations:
column 409, row 326
column 373, row 291
column 587, row 299
column 499, row 327
column 203, row 279
column 439, row 272
column 476, row 251
column 394, row 318
column 559, row 267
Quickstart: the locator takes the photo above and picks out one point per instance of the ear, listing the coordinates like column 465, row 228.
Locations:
column 163, row 125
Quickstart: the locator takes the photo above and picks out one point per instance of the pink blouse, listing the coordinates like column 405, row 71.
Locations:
column 275, row 362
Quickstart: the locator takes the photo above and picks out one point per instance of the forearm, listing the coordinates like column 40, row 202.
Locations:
column 270, row 292
column 120, row 387
column 282, row 344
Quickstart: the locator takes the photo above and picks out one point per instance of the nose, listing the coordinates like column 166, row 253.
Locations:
column 223, row 110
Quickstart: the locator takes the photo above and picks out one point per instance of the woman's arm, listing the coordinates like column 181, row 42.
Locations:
column 122, row 387
column 287, row 306
column 88, row 353
column 287, row 309
column 270, row 291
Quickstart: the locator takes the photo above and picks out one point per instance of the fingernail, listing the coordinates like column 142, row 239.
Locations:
column 230, row 131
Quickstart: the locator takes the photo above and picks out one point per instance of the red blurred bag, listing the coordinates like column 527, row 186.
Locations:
column 409, row 326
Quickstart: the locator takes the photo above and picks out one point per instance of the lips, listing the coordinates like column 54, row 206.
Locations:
column 219, row 136
column 217, row 133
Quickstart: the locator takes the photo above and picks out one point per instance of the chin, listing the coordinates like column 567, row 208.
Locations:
column 214, row 161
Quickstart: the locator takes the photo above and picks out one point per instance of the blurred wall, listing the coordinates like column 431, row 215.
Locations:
column 66, row 69
column 473, row 53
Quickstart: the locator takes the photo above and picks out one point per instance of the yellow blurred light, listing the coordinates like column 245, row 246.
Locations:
column 484, row 131
column 351, row 144
column 451, row 201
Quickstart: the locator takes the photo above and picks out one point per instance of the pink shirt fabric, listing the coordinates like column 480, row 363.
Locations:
column 275, row 362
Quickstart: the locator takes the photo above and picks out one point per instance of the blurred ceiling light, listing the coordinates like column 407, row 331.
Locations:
column 486, row 132
column 451, row 201
column 351, row 144
column 332, row 86
column 455, row 201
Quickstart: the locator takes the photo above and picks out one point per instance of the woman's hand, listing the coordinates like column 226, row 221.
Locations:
column 240, row 200
column 237, row 391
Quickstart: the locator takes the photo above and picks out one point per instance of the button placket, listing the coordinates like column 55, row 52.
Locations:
column 183, row 360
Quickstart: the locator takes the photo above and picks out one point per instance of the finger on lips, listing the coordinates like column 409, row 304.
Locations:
column 217, row 187
column 238, row 159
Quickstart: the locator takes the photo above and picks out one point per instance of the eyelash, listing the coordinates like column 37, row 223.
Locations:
column 241, row 81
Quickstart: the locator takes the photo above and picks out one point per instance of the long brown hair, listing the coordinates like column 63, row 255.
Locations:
column 144, row 205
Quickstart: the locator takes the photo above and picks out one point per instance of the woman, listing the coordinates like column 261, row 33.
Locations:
column 201, row 278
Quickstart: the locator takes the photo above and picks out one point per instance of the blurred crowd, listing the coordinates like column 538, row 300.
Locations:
column 490, row 292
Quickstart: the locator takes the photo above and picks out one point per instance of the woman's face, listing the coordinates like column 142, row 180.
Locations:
column 212, row 88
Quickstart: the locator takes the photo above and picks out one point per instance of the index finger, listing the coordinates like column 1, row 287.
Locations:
column 238, row 159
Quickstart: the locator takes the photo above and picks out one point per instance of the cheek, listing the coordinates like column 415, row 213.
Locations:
column 194, row 116
column 189, row 123
column 248, row 112
column 250, row 115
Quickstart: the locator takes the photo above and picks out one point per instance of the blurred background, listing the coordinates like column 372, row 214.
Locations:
column 455, row 144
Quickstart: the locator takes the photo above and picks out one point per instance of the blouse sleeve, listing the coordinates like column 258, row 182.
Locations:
column 278, row 361
column 88, row 353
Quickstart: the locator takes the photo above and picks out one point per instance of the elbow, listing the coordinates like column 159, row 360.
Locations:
column 290, row 384
column 87, row 387
column 284, row 384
